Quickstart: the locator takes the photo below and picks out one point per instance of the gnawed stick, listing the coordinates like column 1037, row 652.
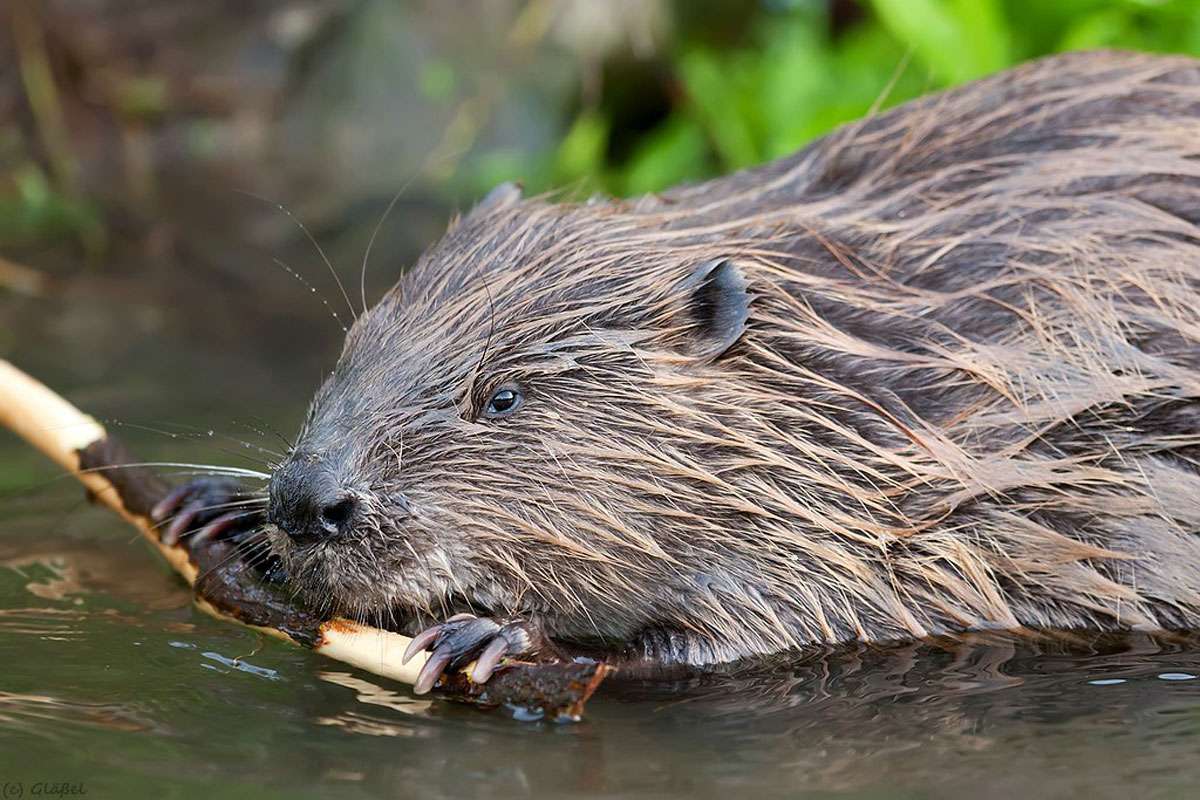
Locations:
column 230, row 590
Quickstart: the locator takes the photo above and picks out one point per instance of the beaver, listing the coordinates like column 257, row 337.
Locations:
column 937, row 372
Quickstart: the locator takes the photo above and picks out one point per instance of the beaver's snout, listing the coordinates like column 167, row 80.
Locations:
column 309, row 503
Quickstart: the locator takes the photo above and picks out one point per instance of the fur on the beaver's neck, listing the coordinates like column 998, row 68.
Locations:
column 968, row 395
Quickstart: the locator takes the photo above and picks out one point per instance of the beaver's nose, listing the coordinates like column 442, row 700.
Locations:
column 308, row 503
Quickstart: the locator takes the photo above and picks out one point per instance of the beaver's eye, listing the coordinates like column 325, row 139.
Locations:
column 505, row 401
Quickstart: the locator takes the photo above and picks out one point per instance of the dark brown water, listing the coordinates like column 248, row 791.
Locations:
column 113, row 685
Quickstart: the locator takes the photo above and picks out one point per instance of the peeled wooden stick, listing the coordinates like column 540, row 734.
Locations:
column 229, row 590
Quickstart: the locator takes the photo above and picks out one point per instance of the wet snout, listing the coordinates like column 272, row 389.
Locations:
column 309, row 502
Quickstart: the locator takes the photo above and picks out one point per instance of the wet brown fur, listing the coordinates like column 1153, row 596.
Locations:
column 968, row 396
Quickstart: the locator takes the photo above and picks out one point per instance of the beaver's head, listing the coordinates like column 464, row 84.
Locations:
column 520, row 422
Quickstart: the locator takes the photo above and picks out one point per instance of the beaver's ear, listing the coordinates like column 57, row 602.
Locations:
column 718, row 305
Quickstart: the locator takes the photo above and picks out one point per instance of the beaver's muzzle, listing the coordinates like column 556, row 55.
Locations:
column 309, row 503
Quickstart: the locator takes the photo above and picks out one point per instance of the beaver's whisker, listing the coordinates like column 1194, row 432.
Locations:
column 253, row 501
column 362, row 275
column 287, row 443
column 313, row 290
column 196, row 433
column 313, row 241
column 201, row 469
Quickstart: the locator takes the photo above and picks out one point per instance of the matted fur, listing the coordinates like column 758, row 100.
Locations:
column 968, row 395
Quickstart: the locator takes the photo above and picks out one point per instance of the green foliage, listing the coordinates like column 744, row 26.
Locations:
column 795, row 71
column 956, row 39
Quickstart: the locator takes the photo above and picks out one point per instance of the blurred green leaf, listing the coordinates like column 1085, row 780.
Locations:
column 957, row 39
column 675, row 152
column 720, row 106
column 1100, row 29
column 580, row 155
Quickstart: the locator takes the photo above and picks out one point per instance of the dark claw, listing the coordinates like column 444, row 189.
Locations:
column 464, row 638
column 180, row 524
column 200, row 511
column 430, row 673
column 163, row 508
column 420, row 642
column 218, row 526
column 489, row 659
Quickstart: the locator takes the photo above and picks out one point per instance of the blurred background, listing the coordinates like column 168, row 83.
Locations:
column 163, row 161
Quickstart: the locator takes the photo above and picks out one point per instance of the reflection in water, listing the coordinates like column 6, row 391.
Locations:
column 44, row 715
column 1009, row 714
column 53, row 623
column 375, row 695
column 55, row 567
column 62, row 582
column 990, row 716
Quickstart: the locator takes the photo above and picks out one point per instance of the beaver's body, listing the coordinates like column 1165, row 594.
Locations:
column 939, row 371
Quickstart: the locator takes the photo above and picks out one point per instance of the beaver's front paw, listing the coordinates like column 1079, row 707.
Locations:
column 464, row 638
column 204, row 509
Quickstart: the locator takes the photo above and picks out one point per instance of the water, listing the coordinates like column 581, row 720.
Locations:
column 113, row 685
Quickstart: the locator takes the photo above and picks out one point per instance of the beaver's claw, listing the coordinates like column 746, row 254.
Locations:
column 204, row 509
column 464, row 638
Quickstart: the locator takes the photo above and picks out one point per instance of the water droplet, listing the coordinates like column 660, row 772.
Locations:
column 1176, row 676
column 1107, row 681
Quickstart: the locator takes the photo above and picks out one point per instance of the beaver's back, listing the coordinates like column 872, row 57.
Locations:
column 997, row 290
column 1009, row 276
